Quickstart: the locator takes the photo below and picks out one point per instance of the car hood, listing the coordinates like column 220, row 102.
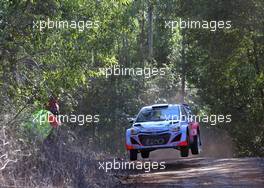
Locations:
column 153, row 126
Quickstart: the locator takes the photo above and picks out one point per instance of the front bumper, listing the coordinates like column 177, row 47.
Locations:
column 159, row 140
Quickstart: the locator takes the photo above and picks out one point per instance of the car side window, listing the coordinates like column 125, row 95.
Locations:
column 183, row 114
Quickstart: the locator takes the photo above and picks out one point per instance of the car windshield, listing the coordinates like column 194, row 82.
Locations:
column 159, row 114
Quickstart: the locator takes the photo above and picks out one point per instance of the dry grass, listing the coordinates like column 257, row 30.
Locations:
column 62, row 160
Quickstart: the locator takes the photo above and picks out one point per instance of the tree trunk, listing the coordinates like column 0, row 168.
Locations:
column 183, row 74
column 150, row 29
column 257, row 69
column 142, row 30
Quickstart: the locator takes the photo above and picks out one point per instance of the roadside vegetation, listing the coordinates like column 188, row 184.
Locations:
column 216, row 72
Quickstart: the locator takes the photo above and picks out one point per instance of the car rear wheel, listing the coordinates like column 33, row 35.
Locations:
column 133, row 155
column 195, row 145
column 145, row 154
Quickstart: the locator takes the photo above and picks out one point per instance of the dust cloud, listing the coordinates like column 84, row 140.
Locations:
column 216, row 143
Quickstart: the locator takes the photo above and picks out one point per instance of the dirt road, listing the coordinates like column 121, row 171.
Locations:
column 203, row 172
column 214, row 167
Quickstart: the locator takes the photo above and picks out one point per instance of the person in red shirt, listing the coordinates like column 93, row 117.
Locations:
column 53, row 107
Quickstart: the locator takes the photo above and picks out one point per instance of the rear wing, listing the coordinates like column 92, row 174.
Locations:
column 160, row 106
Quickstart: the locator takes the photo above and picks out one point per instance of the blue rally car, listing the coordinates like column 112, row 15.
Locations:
column 163, row 126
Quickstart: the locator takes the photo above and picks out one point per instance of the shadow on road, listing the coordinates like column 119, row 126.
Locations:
column 203, row 172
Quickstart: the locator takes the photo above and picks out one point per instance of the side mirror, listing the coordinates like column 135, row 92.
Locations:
column 131, row 120
column 190, row 118
column 183, row 118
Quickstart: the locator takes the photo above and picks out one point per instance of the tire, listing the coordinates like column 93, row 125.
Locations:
column 133, row 155
column 145, row 154
column 184, row 151
column 195, row 145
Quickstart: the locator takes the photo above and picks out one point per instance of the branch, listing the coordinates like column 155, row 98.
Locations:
column 6, row 163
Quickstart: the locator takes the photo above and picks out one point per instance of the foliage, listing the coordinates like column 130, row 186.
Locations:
column 223, row 70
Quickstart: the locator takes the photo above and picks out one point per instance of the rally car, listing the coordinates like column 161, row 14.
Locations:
column 163, row 126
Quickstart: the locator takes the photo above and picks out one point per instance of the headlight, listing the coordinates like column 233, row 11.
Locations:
column 134, row 131
column 176, row 129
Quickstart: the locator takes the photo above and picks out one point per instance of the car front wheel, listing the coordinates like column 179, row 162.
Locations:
column 133, row 155
column 145, row 154
column 185, row 149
